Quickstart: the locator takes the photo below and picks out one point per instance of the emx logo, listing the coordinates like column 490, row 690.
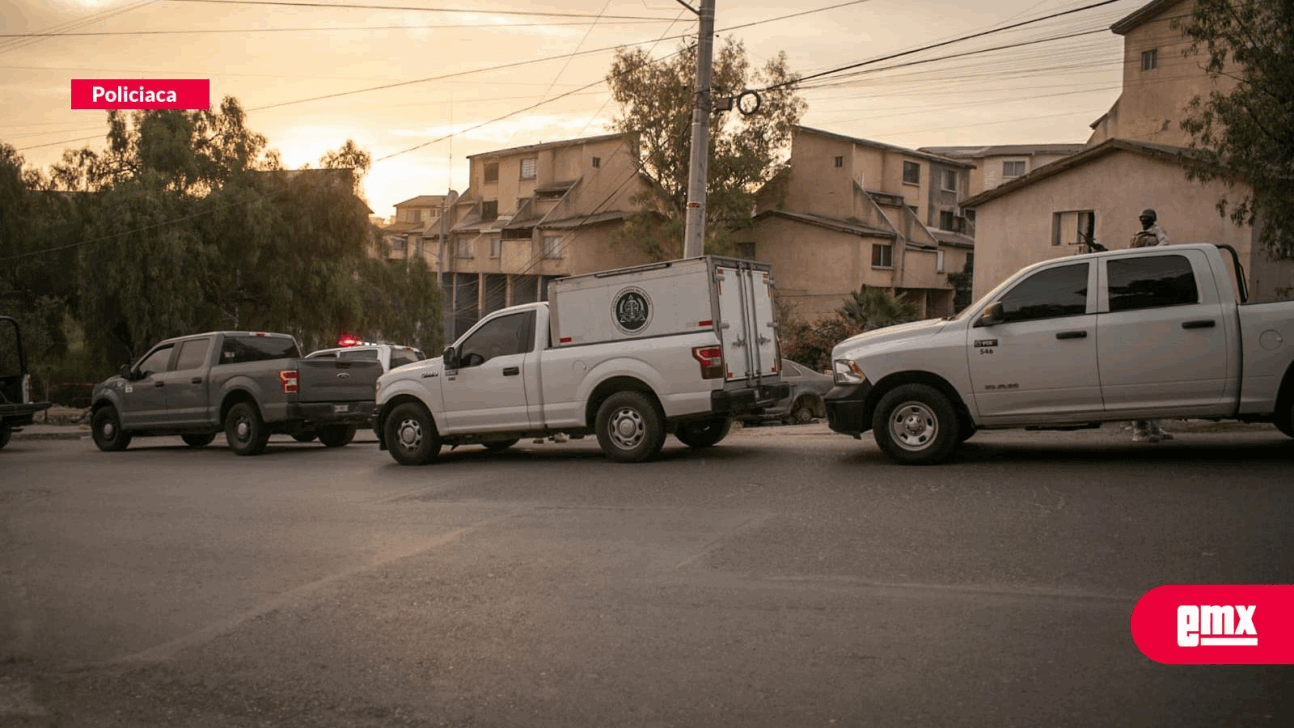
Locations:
column 1217, row 624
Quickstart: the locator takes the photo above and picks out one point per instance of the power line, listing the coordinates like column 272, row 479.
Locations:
column 332, row 29
column 414, row 8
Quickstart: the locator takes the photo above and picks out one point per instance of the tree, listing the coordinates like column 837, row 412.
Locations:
column 746, row 152
column 1245, row 128
column 876, row 308
column 810, row 344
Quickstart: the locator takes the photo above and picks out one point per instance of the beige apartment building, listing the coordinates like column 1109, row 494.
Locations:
column 532, row 214
column 860, row 213
column 419, row 225
column 1136, row 158
column 999, row 164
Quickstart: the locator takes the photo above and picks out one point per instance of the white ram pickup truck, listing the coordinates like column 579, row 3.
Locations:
column 629, row 355
column 1146, row 333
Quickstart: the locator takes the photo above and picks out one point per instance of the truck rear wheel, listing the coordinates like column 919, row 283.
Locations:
column 336, row 435
column 703, row 433
column 105, row 428
column 245, row 431
column 411, row 435
column 915, row 424
column 630, row 428
column 198, row 440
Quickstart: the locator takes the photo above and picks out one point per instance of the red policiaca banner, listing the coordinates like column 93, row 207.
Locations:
column 132, row 94
column 1216, row 624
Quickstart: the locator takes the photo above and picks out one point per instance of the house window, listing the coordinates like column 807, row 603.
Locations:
column 1150, row 59
column 840, row 161
column 939, row 261
column 882, row 256
column 1013, row 169
column 552, row 246
column 949, row 182
column 463, row 248
column 489, row 210
column 947, row 220
column 496, row 246
column 399, row 243
column 1077, row 227
column 528, row 168
column 597, row 162
column 418, row 247
column 911, row 173
column 746, row 250
column 491, row 172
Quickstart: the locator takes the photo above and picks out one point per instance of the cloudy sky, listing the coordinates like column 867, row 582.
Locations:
column 461, row 75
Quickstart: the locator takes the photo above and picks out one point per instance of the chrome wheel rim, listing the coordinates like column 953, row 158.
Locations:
column 109, row 430
column 913, row 426
column 627, row 428
column 409, row 434
column 242, row 429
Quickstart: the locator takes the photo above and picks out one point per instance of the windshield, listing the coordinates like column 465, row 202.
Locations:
column 982, row 299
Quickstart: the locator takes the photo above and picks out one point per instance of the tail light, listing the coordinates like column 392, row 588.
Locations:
column 711, row 359
column 288, row 380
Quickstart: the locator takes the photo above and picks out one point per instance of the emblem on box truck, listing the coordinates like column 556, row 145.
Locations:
column 631, row 310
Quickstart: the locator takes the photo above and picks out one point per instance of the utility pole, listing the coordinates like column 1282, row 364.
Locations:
column 694, row 232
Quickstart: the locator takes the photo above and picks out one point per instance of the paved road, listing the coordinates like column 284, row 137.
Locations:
column 788, row 577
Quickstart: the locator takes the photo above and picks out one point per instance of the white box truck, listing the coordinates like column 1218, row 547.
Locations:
column 628, row 355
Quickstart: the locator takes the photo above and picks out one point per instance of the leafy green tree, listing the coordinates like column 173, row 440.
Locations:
column 1245, row 128
column 746, row 152
column 876, row 308
column 810, row 344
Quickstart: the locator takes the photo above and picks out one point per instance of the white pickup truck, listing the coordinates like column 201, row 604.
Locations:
column 629, row 355
column 1161, row 332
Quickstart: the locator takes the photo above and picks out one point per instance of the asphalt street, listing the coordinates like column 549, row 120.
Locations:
column 787, row 577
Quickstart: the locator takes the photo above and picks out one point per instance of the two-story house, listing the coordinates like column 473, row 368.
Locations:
column 1135, row 158
column 535, row 213
column 1001, row 163
column 420, row 224
column 860, row 213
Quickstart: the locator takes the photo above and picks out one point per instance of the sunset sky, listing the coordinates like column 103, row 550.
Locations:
column 463, row 67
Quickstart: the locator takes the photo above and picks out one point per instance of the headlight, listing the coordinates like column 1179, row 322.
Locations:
column 845, row 371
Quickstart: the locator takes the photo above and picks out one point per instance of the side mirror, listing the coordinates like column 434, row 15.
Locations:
column 451, row 358
column 991, row 315
column 125, row 372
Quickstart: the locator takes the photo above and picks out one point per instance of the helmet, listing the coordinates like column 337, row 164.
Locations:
column 1148, row 213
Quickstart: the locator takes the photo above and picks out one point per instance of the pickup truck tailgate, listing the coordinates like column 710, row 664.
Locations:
column 336, row 380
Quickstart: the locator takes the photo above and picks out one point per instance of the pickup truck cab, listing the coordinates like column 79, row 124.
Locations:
column 248, row 385
column 629, row 355
column 389, row 356
column 1145, row 333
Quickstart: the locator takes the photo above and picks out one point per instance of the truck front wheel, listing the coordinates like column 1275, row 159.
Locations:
column 630, row 428
column 703, row 433
column 105, row 428
column 915, row 424
column 245, row 431
column 411, row 435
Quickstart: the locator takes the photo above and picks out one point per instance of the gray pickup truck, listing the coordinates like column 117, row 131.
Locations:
column 248, row 385
column 16, row 407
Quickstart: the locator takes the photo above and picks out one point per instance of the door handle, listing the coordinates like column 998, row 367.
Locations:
column 1202, row 324
column 1072, row 335
column 511, row 371
column 196, row 380
column 159, row 384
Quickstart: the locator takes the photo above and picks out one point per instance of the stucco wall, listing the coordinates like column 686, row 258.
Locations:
column 1016, row 230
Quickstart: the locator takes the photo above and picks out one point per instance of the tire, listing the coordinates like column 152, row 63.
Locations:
column 198, row 440
column 411, row 435
column 1285, row 420
column 5, row 433
column 308, row 436
column 337, row 435
column 630, row 428
column 801, row 412
column 500, row 445
column 105, row 427
column 915, row 424
column 703, row 433
column 245, row 431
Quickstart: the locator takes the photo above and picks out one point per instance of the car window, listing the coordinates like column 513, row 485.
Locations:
column 239, row 349
column 791, row 369
column 322, row 354
column 1151, row 282
column 369, row 354
column 400, row 357
column 156, row 361
column 1049, row 293
column 193, row 354
column 501, row 337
